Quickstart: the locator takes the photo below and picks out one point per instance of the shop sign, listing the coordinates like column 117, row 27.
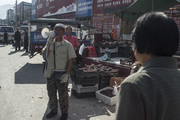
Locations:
column 97, row 23
column 99, row 5
column 84, row 8
column 63, row 10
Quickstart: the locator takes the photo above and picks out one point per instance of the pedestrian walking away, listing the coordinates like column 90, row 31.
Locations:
column 17, row 38
column 58, row 54
column 153, row 92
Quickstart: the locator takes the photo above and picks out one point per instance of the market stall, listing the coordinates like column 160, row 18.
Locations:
column 124, row 66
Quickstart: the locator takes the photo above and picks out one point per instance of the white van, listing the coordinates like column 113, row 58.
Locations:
column 10, row 31
column 22, row 28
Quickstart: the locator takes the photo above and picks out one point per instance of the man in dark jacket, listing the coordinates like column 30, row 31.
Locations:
column 17, row 38
column 5, row 37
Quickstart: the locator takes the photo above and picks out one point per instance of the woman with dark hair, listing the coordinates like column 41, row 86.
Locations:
column 153, row 92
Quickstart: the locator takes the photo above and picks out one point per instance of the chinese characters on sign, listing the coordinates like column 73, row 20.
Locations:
column 84, row 8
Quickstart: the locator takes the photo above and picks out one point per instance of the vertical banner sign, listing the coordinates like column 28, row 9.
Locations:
column 33, row 9
column 84, row 8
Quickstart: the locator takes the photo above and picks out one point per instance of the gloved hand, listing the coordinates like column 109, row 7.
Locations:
column 64, row 78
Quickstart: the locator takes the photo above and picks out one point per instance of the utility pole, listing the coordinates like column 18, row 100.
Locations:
column 16, row 14
column 152, row 5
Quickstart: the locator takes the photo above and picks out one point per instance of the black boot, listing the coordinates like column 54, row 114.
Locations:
column 50, row 114
column 63, row 116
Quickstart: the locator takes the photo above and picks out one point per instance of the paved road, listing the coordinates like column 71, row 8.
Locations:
column 23, row 94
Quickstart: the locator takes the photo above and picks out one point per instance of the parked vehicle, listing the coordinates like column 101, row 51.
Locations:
column 10, row 31
column 3, row 25
column 23, row 27
column 37, row 42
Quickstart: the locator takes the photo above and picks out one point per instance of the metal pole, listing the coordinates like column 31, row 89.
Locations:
column 152, row 5
column 16, row 14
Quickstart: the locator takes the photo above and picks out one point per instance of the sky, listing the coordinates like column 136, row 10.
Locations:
column 3, row 9
column 3, row 2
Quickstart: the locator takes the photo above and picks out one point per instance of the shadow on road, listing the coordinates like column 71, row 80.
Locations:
column 30, row 74
column 83, row 109
column 12, row 52
column 25, row 54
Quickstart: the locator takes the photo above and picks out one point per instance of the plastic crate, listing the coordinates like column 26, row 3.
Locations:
column 109, row 74
column 82, row 89
column 83, row 95
column 82, row 74
column 104, row 80
column 103, row 85
column 104, row 98
column 85, row 81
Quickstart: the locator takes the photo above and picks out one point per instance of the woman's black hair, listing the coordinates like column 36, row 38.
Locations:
column 157, row 34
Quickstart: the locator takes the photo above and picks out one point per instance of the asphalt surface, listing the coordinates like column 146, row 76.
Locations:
column 23, row 93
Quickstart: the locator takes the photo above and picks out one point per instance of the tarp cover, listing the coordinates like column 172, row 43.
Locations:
column 142, row 6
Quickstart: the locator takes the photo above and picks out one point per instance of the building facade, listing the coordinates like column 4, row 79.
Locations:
column 33, row 8
column 10, row 17
column 102, row 14
column 63, row 9
column 23, row 14
column 106, row 17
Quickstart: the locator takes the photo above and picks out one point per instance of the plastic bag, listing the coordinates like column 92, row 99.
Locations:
column 115, row 89
column 81, row 49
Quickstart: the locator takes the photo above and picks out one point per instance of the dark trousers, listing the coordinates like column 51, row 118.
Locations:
column 26, row 45
column 5, row 41
column 18, row 45
column 52, row 87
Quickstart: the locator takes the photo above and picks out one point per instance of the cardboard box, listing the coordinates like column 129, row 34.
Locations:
column 117, row 79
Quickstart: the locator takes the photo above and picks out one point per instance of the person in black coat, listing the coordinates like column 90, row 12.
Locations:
column 5, row 37
column 17, row 38
column 26, row 40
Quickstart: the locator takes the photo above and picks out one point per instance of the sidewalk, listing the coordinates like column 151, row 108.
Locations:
column 24, row 95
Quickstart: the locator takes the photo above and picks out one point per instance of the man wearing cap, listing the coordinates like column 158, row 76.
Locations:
column 59, row 58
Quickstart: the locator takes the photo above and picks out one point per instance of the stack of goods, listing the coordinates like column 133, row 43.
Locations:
column 85, row 81
column 90, row 78
column 105, row 73
column 124, row 50
column 111, row 47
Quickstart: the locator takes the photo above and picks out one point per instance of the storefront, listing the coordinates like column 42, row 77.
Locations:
column 105, row 15
column 142, row 6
